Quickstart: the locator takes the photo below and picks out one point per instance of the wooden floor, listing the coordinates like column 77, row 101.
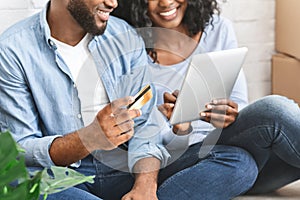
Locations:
column 289, row 192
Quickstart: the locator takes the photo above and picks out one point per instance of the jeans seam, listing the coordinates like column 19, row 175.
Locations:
column 289, row 142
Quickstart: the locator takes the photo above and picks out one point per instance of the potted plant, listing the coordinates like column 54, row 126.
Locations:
column 16, row 183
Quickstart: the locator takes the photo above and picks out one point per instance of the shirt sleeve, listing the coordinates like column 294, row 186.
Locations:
column 147, row 140
column 18, row 113
column 240, row 91
column 229, row 38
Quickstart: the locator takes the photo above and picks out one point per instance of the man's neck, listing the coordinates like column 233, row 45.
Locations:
column 62, row 25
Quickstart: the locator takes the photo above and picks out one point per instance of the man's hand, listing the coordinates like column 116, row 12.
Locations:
column 220, row 113
column 167, row 110
column 112, row 126
column 141, row 194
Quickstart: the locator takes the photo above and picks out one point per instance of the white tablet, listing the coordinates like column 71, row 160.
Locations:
column 209, row 76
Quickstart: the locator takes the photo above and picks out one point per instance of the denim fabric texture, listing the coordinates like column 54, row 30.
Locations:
column 269, row 130
column 39, row 99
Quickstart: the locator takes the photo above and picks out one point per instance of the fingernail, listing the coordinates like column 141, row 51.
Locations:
column 171, row 105
column 209, row 106
column 202, row 114
column 214, row 101
column 140, row 113
column 131, row 98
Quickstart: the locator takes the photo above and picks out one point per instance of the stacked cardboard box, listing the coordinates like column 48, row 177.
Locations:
column 286, row 64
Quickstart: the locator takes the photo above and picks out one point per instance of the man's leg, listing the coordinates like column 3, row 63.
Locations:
column 109, row 183
column 224, row 173
column 71, row 194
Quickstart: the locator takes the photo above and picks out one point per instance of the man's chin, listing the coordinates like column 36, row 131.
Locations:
column 97, row 31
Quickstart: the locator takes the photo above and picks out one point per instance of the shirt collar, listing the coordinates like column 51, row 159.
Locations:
column 45, row 27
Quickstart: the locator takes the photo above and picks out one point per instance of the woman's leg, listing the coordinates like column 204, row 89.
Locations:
column 268, row 126
column 224, row 173
column 275, row 174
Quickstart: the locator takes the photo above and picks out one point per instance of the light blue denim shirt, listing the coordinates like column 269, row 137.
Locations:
column 39, row 99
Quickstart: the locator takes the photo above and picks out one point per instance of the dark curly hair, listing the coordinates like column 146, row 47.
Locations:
column 197, row 16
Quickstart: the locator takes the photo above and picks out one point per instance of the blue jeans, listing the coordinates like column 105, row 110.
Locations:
column 223, row 174
column 269, row 129
column 72, row 194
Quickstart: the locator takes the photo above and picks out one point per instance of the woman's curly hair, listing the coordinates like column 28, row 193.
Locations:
column 198, row 15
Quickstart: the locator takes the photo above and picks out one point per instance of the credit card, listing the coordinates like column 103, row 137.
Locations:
column 141, row 98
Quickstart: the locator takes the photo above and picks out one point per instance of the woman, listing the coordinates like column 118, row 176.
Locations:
column 267, row 128
column 169, row 52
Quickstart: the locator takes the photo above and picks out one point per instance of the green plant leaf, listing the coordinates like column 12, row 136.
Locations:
column 14, row 179
column 57, row 179
column 8, row 151
column 15, row 183
column 16, row 193
column 34, row 186
column 15, row 172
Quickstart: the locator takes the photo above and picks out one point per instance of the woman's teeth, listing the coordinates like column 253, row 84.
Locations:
column 171, row 12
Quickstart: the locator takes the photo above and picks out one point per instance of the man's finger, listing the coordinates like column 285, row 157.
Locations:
column 125, row 115
column 124, row 127
column 117, row 104
column 124, row 137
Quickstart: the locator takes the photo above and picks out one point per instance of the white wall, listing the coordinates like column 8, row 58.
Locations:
column 12, row 11
column 253, row 21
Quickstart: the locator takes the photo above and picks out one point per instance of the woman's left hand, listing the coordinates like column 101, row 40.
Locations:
column 167, row 110
column 220, row 113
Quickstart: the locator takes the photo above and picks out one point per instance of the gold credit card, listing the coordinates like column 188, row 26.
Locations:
column 141, row 98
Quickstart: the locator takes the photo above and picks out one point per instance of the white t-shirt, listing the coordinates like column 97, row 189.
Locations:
column 91, row 91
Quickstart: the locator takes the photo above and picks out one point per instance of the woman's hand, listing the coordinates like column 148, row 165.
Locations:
column 220, row 113
column 167, row 110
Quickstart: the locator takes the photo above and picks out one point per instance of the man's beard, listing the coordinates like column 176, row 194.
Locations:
column 84, row 17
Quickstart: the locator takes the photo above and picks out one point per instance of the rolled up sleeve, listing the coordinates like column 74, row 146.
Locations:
column 147, row 141
column 18, row 113
column 37, row 151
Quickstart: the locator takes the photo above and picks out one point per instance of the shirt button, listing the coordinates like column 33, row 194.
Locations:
column 79, row 116
column 51, row 43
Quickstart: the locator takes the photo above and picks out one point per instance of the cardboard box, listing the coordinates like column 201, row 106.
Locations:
column 286, row 76
column 288, row 27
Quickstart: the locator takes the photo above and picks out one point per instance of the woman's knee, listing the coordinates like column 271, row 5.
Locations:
column 233, row 155
column 276, row 104
column 243, row 167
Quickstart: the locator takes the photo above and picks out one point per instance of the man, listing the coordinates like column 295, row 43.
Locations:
column 43, row 62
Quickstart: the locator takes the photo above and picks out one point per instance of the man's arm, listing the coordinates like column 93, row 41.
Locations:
column 112, row 126
column 145, row 186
